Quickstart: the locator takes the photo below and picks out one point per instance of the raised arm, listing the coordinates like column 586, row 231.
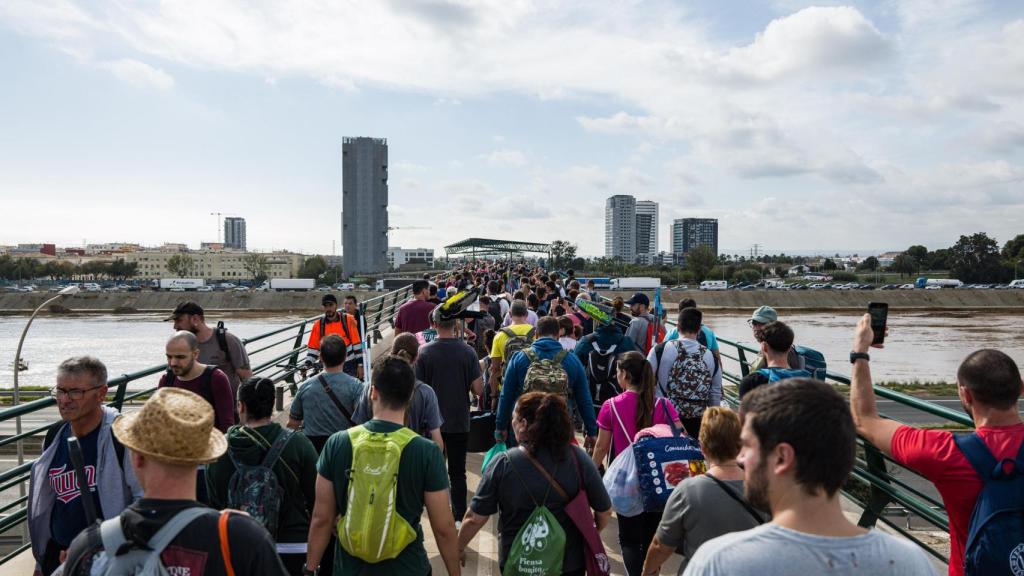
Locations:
column 870, row 425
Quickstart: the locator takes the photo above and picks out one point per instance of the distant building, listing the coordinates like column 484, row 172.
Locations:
column 646, row 232
column 887, row 259
column 364, row 205
column 620, row 227
column 234, row 233
column 398, row 257
column 688, row 233
column 216, row 265
column 48, row 249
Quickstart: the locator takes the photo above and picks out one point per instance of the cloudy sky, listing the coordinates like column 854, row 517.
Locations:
column 824, row 127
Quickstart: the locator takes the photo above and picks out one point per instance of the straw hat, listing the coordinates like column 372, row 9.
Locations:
column 174, row 426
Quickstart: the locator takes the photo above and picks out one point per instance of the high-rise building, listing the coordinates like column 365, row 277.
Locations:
column 688, row 233
column 646, row 231
column 234, row 233
column 620, row 227
column 364, row 205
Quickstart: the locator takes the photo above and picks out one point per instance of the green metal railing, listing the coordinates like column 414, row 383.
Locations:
column 274, row 354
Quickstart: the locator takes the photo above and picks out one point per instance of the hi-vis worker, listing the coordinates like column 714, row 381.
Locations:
column 345, row 326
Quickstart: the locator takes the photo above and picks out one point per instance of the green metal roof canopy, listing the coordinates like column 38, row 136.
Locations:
column 484, row 246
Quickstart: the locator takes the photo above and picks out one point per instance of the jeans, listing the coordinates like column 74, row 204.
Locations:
column 455, row 451
column 635, row 535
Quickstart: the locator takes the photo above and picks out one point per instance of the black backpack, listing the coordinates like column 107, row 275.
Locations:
column 601, row 373
column 222, row 340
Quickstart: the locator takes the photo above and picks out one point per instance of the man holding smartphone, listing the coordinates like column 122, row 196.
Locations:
column 989, row 387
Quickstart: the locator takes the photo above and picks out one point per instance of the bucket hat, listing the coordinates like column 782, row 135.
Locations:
column 174, row 426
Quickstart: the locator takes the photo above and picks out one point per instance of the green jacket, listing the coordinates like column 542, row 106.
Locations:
column 295, row 469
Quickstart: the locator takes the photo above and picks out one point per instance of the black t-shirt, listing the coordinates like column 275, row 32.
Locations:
column 68, row 516
column 509, row 492
column 196, row 549
column 449, row 366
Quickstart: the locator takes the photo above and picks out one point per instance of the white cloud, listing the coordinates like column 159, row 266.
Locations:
column 813, row 40
column 139, row 74
column 505, row 157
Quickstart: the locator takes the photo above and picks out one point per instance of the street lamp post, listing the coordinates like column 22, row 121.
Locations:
column 68, row 291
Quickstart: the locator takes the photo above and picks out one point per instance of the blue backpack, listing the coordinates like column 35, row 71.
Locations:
column 813, row 361
column 776, row 374
column 995, row 542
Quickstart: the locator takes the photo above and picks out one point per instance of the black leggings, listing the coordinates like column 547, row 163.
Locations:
column 635, row 535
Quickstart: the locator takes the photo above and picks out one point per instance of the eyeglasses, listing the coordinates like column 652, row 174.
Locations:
column 74, row 394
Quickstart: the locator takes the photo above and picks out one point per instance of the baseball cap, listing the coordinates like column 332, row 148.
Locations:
column 639, row 298
column 185, row 308
column 328, row 298
column 764, row 315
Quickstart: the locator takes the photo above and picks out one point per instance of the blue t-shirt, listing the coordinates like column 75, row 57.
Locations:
column 712, row 342
column 68, row 516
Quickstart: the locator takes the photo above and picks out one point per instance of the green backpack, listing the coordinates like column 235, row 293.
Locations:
column 539, row 547
column 546, row 375
column 371, row 528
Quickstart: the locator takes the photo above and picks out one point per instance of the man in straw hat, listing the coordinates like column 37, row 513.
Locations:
column 168, row 438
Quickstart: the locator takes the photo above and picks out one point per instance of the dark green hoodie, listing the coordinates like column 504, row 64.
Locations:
column 295, row 469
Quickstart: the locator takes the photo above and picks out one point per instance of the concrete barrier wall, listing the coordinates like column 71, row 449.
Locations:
column 309, row 302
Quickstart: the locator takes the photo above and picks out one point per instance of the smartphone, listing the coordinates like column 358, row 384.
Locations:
column 879, row 312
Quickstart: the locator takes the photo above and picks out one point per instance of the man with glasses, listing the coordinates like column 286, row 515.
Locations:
column 761, row 318
column 56, row 513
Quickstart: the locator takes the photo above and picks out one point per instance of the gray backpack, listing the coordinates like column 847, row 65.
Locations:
column 138, row 561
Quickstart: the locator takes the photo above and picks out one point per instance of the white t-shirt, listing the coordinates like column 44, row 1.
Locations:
column 771, row 550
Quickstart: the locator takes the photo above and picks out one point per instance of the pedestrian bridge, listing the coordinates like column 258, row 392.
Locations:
column 880, row 492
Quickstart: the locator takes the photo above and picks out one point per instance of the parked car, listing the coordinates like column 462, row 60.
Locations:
column 204, row 289
column 933, row 287
column 364, row 286
column 240, row 289
column 907, row 287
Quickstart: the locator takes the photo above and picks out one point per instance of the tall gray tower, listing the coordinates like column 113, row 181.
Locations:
column 620, row 227
column 234, row 233
column 364, row 205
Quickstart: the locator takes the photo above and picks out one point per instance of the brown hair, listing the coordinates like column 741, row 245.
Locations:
column 406, row 347
column 565, row 325
column 547, row 422
column 641, row 377
column 720, row 433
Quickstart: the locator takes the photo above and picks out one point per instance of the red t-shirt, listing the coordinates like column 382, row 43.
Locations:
column 934, row 455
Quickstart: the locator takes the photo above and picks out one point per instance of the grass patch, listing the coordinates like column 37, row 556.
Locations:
column 925, row 389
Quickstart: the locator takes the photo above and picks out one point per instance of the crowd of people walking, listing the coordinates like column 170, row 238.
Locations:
column 567, row 389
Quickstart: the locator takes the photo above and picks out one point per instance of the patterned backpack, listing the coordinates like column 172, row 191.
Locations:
column 689, row 381
column 546, row 375
column 255, row 490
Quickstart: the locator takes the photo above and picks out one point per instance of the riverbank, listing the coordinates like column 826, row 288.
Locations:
column 309, row 302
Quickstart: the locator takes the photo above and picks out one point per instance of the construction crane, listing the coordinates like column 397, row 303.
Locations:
column 219, row 220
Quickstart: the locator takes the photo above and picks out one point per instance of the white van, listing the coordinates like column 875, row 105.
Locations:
column 714, row 285
column 1017, row 283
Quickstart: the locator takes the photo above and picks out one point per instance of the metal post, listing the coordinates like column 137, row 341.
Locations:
column 16, row 396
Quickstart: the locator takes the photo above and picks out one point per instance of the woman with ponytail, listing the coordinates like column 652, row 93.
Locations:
column 423, row 415
column 513, row 486
column 618, row 422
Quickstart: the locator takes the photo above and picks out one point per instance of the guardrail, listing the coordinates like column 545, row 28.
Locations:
column 274, row 354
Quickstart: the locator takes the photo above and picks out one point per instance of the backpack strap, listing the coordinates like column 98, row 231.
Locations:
column 659, row 351
column 222, row 340
column 112, row 535
column 529, row 333
column 978, row 454
column 277, row 447
column 530, row 354
column 560, row 356
column 547, row 476
column 337, row 402
column 732, row 494
column 225, row 546
column 170, row 530
column 114, row 540
column 508, row 332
